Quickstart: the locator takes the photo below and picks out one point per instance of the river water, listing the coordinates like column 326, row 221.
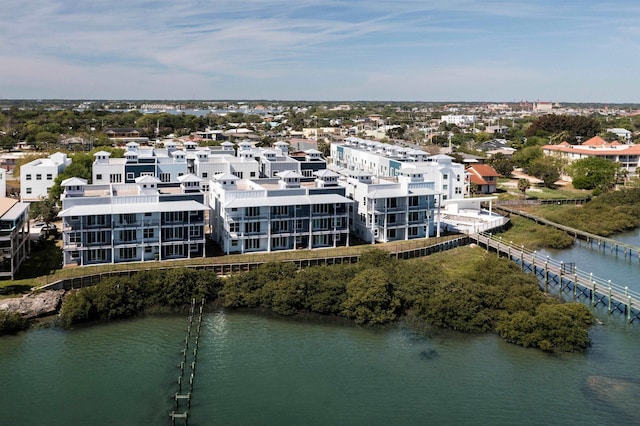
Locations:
column 253, row 370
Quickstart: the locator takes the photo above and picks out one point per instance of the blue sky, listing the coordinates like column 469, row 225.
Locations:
column 400, row 50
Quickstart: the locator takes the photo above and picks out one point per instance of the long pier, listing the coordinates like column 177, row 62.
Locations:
column 187, row 366
column 552, row 273
column 603, row 244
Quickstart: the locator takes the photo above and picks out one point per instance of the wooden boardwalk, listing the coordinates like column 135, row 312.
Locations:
column 604, row 244
column 553, row 273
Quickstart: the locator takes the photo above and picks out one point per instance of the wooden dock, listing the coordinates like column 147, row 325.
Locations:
column 556, row 274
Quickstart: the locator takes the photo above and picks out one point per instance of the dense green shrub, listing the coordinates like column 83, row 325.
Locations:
column 12, row 322
column 124, row 297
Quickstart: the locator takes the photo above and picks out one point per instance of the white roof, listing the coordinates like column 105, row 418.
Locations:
column 189, row 178
column 170, row 206
column 289, row 174
column 102, row 153
column 290, row 200
column 225, row 176
column 395, row 192
column 147, row 179
column 326, row 173
column 74, row 181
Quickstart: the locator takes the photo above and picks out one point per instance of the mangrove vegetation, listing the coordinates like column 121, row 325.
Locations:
column 464, row 289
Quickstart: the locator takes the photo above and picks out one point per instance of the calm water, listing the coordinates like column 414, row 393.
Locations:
column 255, row 370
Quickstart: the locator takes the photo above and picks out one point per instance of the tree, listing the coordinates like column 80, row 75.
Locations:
column 45, row 210
column 553, row 125
column 548, row 169
column 526, row 156
column 593, row 172
column 524, row 185
column 501, row 164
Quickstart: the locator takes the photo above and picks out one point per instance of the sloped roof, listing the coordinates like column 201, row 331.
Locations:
column 483, row 170
column 595, row 141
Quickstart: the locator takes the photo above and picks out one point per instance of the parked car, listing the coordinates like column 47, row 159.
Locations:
column 45, row 229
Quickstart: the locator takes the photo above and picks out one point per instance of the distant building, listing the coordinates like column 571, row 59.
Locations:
column 458, row 120
column 623, row 135
column 543, row 107
column 627, row 155
column 14, row 236
column 37, row 176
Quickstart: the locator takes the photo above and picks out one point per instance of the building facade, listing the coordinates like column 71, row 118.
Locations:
column 37, row 176
column 278, row 214
column 391, row 211
column 146, row 220
column 14, row 236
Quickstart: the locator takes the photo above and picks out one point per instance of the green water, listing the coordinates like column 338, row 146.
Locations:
column 253, row 370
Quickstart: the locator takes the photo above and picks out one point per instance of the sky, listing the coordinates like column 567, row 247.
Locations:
column 329, row 50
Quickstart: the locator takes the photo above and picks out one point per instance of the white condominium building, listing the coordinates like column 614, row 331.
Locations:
column 392, row 210
column 278, row 214
column 386, row 160
column 146, row 220
column 14, row 236
column 37, row 176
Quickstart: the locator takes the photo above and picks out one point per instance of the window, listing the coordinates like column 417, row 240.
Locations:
column 320, row 240
column 413, row 216
column 445, row 187
column 165, row 177
column 128, row 219
column 253, row 243
column 194, row 231
column 321, row 208
column 148, row 249
column 97, row 220
column 320, row 224
column 458, row 178
column 299, row 224
column 49, row 176
column 253, row 211
column 98, row 177
column 128, row 252
column 253, row 174
column 445, row 176
column 252, row 227
column 174, row 250
column 458, row 190
column 148, row 214
column 279, row 242
column 115, row 178
column 173, row 217
column 28, row 190
column 391, row 218
column 234, row 243
column 391, row 233
column 280, row 210
column 205, row 174
column 97, row 237
column 392, row 203
column 413, row 231
column 280, row 226
column 38, row 176
column 414, row 201
column 234, row 227
column 130, row 176
column 128, row 235
column 96, row 255
column 148, row 233
column 28, row 177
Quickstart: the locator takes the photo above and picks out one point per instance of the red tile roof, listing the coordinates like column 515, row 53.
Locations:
column 483, row 170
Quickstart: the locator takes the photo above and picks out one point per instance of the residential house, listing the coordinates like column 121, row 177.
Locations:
column 484, row 177
column 37, row 176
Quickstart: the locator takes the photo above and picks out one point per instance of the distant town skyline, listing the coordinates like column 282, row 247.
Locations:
column 407, row 50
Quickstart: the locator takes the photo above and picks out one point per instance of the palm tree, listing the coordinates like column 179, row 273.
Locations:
column 523, row 185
